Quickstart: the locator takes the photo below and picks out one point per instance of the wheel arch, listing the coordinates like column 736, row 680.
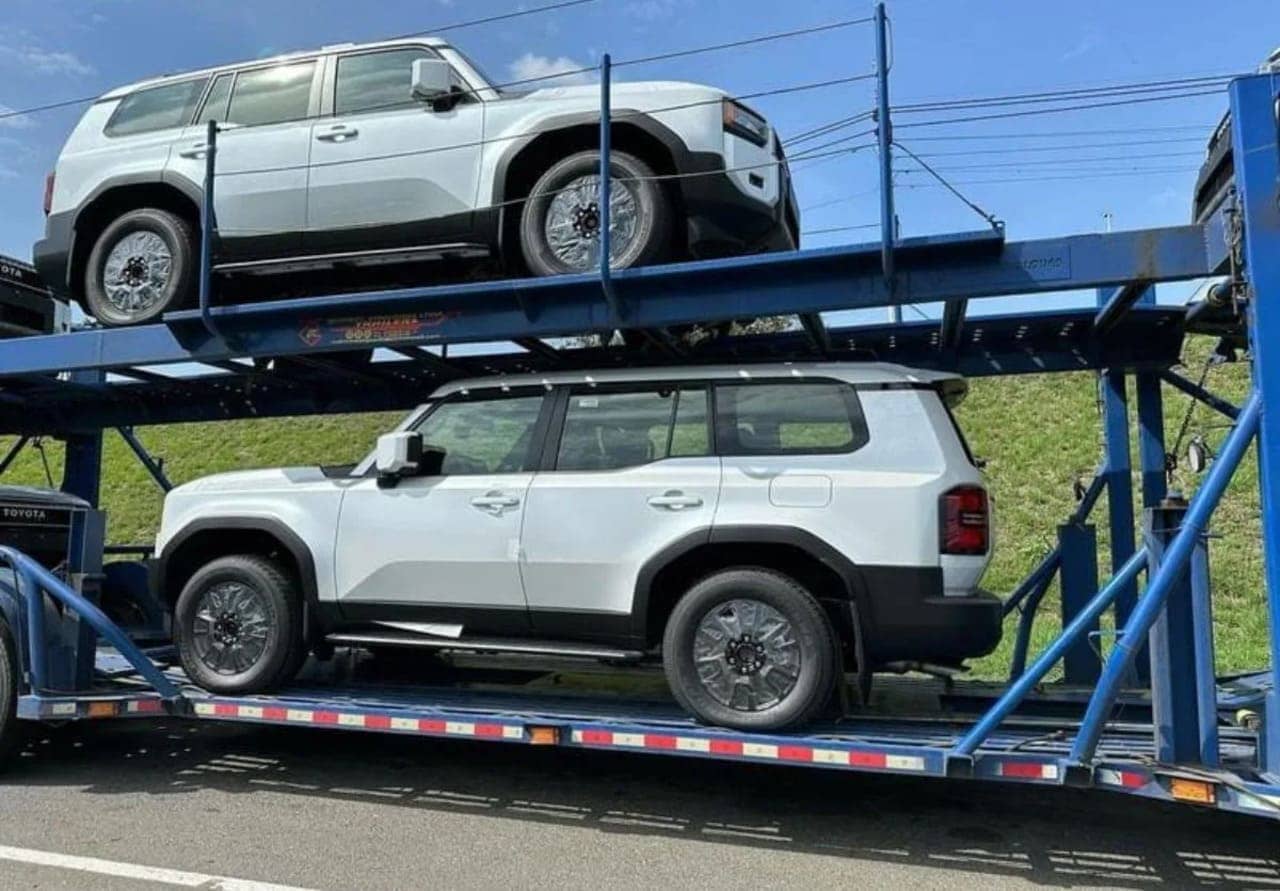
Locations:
column 527, row 158
column 207, row 539
column 816, row 565
column 117, row 196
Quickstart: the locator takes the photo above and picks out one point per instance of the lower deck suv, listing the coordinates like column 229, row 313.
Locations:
column 760, row 529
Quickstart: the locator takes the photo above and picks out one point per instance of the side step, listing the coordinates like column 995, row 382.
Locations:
column 383, row 257
column 481, row 645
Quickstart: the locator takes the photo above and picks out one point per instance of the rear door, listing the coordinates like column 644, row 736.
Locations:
column 260, row 191
column 628, row 472
column 388, row 170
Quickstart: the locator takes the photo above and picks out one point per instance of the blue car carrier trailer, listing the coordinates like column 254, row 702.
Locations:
column 1149, row 719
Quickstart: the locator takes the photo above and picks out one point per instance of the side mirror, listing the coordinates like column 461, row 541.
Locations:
column 397, row 455
column 432, row 80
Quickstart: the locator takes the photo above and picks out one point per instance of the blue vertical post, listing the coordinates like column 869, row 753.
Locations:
column 884, row 136
column 208, row 228
column 1174, row 699
column 1255, row 135
column 81, row 476
column 1151, row 457
column 1078, row 545
column 1205, row 666
column 606, row 186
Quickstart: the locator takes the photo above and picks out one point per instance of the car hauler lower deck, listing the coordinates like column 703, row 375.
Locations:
column 1149, row 719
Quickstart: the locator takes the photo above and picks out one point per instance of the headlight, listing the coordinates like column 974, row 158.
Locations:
column 741, row 122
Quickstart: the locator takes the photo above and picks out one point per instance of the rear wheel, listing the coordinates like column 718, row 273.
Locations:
column 749, row 648
column 238, row 625
column 10, row 730
column 141, row 266
column 561, row 221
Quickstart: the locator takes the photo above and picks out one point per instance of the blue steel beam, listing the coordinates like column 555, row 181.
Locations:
column 1255, row 135
column 1119, row 470
column 1115, row 302
column 151, row 465
column 828, row 279
column 1195, row 391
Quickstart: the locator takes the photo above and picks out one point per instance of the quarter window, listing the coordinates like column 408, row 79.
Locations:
column 272, row 95
column 783, row 419
column 608, row 431
column 376, row 81
column 484, row 435
column 157, row 108
column 215, row 104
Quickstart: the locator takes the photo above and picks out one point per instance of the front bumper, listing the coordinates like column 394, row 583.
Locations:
column 724, row 221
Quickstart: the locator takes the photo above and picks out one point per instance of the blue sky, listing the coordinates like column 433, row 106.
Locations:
column 55, row 49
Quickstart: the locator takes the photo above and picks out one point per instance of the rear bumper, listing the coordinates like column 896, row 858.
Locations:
column 724, row 220
column 52, row 254
column 911, row 619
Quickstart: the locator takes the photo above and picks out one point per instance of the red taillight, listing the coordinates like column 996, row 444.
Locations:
column 48, row 194
column 965, row 517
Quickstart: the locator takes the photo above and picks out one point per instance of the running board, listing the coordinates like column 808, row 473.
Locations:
column 482, row 645
column 384, row 257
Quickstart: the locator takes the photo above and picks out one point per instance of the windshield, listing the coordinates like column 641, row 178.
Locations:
column 480, row 72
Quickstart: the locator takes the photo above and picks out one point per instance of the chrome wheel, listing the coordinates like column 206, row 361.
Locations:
column 746, row 655
column 137, row 272
column 231, row 627
column 573, row 222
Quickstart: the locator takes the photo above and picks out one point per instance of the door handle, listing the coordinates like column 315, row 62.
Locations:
column 495, row 502
column 338, row 134
column 675, row 500
column 196, row 151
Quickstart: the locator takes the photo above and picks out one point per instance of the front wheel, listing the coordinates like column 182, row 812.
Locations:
column 561, row 221
column 10, row 731
column 238, row 625
column 141, row 266
column 749, row 648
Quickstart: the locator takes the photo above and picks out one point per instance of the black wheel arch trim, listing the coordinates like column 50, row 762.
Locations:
column 288, row 539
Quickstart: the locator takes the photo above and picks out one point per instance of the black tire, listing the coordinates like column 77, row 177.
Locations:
column 279, row 603
column 10, row 728
column 180, row 286
column 652, row 241
column 811, row 631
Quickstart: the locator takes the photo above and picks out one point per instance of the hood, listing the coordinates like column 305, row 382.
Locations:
column 624, row 92
column 252, row 480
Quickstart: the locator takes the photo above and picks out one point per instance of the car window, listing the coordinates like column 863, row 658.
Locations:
column 272, row 95
column 608, row 431
column 780, row 419
column 483, row 435
column 157, row 108
column 215, row 104
column 372, row 81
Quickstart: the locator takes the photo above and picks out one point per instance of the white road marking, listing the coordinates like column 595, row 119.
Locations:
column 134, row 871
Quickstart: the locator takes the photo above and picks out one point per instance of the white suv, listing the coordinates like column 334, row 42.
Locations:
column 760, row 527
column 391, row 153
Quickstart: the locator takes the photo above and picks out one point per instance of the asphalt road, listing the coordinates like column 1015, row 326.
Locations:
column 333, row 809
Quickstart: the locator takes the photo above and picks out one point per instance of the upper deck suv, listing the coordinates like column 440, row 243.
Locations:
column 396, row 152
column 762, row 528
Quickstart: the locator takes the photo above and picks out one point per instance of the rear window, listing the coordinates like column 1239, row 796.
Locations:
column 157, row 108
column 788, row 419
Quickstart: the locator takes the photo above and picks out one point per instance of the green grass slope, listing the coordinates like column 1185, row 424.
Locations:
column 1038, row 433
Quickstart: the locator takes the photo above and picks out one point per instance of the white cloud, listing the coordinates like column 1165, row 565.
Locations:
column 29, row 56
column 13, row 121
column 544, row 70
column 653, row 10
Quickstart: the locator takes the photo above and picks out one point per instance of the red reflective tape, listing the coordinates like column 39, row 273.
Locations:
column 377, row 722
column 725, row 747
column 868, row 759
column 597, row 737
column 488, row 730
column 226, row 710
column 1132, row 780
column 149, row 705
column 1022, row 770
column 324, row 717
column 659, row 741
column 275, row 713
column 430, row 725
column 795, row 753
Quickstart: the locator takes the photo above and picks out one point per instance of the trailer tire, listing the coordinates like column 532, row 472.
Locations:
column 10, row 727
column 749, row 648
column 238, row 625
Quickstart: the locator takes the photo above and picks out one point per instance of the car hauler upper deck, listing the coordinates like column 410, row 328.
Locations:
column 1184, row 735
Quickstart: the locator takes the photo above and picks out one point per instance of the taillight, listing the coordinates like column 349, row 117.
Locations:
column 966, row 521
column 48, row 193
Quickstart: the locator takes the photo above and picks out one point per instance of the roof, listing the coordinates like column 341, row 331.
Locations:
column 270, row 60
column 852, row 372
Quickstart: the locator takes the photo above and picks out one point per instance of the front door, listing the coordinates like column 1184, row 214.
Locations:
column 634, row 473
column 389, row 171
column 260, row 187
column 445, row 549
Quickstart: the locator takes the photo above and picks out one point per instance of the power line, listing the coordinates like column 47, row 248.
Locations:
column 808, row 232
column 1050, row 162
column 1039, row 111
column 1064, row 178
column 831, row 127
column 751, row 41
column 1062, row 134
column 1167, row 85
column 1022, row 150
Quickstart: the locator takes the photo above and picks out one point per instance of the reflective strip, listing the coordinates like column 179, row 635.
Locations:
column 204, row 708
column 759, row 750
column 631, row 740
column 904, row 762
column 404, row 724
column 460, row 728
column 1124, row 778
column 144, row 706
column 62, row 708
column 692, row 744
column 1024, row 770
column 253, row 712
column 302, row 716
column 351, row 720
